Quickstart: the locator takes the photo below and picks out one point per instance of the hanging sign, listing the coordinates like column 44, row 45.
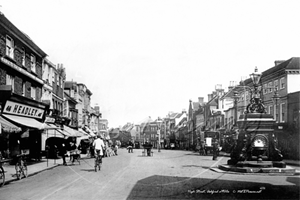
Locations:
column 22, row 110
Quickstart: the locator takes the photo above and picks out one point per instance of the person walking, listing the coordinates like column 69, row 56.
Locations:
column 63, row 152
column 116, row 149
column 130, row 146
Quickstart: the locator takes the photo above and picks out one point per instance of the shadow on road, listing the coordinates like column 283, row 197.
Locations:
column 171, row 187
column 88, row 170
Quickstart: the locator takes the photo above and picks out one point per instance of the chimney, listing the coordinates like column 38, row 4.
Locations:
column 183, row 111
column 277, row 62
column 209, row 96
column 201, row 100
column 97, row 109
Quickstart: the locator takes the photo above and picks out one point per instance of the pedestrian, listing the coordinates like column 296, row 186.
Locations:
column 130, row 146
column 92, row 150
column 72, row 149
column 116, row 149
column 63, row 153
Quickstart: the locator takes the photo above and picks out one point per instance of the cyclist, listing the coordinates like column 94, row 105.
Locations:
column 98, row 146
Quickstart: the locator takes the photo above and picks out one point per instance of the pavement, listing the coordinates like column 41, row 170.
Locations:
column 46, row 164
column 34, row 167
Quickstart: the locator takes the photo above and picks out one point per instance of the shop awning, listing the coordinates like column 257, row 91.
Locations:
column 56, row 131
column 8, row 127
column 83, row 132
column 89, row 131
column 73, row 132
column 25, row 121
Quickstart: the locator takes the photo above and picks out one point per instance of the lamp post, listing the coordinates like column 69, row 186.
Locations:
column 275, row 100
column 235, row 97
column 256, row 78
column 158, row 133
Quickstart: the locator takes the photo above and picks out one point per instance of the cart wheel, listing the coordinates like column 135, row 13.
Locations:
column 2, row 177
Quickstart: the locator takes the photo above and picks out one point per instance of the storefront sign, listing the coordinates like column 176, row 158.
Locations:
column 23, row 71
column 22, row 110
column 49, row 120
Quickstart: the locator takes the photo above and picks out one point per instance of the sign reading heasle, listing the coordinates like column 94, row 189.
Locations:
column 22, row 110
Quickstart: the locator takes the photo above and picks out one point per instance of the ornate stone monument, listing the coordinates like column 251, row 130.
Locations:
column 255, row 149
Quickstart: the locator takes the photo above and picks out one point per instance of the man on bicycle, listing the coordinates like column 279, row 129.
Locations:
column 99, row 146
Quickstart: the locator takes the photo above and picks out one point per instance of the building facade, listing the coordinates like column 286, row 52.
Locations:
column 21, row 87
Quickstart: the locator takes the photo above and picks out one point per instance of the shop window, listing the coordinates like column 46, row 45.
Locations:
column 9, row 47
column 282, row 83
column 10, row 80
column 32, row 63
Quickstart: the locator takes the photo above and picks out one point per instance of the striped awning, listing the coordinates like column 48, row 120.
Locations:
column 73, row 132
column 8, row 127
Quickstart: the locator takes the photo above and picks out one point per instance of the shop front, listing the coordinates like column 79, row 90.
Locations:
column 28, row 116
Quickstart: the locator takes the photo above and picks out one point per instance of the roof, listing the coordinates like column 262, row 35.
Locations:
column 21, row 35
column 290, row 64
column 69, row 84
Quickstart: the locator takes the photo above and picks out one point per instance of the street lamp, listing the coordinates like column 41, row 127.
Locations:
column 159, row 122
column 235, row 97
column 256, row 78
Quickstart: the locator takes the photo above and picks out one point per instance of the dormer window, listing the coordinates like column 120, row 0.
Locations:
column 32, row 63
column 9, row 47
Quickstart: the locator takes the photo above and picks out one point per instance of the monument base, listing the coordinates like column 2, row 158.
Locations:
column 271, row 167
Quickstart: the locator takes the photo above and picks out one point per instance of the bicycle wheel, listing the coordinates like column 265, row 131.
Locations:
column 24, row 167
column 96, row 164
column 2, row 176
column 18, row 170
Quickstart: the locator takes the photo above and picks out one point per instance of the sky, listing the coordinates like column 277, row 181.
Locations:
column 144, row 58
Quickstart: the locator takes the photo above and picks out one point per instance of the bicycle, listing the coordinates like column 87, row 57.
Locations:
column 98, row 161
column 2, row 175
column 21, row 166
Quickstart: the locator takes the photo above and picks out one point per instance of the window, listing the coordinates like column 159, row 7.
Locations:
column 32, row 63
column 276, row 85
column 23, row 57
column 9, row 47
column 270, row 87
column 33, row 93
column 271, row 110
column 23, row 88
column 282, row 110
column 10, row 80
column 265, row 90
column 282, row 83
